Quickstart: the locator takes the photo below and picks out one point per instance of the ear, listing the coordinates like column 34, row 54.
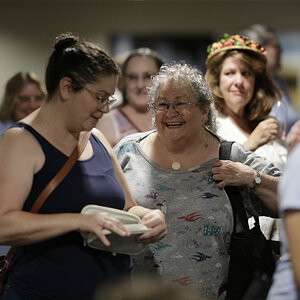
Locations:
column 205, row 115
column 65, row 88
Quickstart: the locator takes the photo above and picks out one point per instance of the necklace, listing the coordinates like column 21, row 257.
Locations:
column 176, row 165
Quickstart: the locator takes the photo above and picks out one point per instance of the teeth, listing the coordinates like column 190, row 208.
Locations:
column 174, row 124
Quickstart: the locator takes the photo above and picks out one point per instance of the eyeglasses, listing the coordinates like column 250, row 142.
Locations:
column 178, row 106
column 102, row 101
column 27, row 99
column 132, row 78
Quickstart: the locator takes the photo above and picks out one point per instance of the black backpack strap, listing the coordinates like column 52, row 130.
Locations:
column 233, row 192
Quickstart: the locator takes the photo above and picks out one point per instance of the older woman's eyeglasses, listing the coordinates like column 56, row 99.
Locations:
column 177, row 106
column 102, row 101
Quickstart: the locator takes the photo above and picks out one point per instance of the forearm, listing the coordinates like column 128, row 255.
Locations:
column 267, row 192
column 22, row 228
column 250, row 145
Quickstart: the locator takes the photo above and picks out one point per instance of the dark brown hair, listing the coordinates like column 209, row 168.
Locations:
column 79, row 60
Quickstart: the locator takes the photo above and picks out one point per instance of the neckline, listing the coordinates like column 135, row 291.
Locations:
column 30, row 129
column 180, row 171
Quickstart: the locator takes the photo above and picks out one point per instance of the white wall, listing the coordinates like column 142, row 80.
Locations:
column 28, row 27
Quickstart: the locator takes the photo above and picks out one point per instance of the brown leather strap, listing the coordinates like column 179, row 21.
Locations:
column 50, row 187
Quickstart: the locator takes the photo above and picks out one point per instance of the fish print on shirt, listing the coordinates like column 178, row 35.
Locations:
column 184, row 281
column 192, row 217
column 199, row 257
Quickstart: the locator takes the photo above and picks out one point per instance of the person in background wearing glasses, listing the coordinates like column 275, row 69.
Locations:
column 23, row 94
column 132, row 115
column 52, row 261
column 176, row 168
column 244, row 94
column 283, row 110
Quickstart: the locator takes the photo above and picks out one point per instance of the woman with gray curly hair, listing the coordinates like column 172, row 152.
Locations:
column 176, row 168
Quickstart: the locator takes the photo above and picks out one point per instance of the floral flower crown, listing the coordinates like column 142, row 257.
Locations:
column 235, row 42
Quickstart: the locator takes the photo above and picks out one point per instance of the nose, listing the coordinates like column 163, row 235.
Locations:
column 104, row 109
column 238, row 79
column 141, row 83
column 171, row 110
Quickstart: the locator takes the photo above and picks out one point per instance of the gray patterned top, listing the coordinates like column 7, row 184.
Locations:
column 198, row 215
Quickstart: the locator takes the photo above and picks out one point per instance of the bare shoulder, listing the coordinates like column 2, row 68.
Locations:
column 19, row 146
column 102, row 139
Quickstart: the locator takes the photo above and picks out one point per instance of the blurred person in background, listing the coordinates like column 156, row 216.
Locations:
column 23, row 94
column 146, row 288
column 132, row 115
column 283, row 110
column 286, row 280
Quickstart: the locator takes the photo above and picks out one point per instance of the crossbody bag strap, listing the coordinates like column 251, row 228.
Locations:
column 233, row 192
column 55, row 181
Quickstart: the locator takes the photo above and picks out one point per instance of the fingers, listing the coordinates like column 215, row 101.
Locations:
column 155, row 234
column 156, row 221
column 114, row 225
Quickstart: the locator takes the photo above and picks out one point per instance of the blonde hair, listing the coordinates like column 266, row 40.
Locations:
column 265, row 91
column 12, row 89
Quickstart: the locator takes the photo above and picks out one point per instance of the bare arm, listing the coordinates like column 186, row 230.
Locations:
column 238, row 174
column 20, row 158
column 293, row 138
column 292, row 225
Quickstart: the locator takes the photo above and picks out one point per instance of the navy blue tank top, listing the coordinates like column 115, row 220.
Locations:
column 62, row 268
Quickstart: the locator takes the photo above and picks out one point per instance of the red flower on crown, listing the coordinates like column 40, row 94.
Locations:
column 231, row 42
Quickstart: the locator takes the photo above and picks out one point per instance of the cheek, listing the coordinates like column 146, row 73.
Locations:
column 223, row 85
column 250, row 86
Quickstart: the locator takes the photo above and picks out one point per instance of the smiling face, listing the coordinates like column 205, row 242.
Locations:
column 172, row 125
column 137, row 77
column 29, row 99
column 86, row 106
column 236, row 85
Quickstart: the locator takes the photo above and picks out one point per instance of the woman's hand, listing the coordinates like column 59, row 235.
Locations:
column 97, row 222
column 266, row 131
column 293, row 138
column 227, row 172
column 155, row 220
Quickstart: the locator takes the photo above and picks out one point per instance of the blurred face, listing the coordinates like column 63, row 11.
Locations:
column 29, row 99
column 186, row 122
column 236, row 84
column 87, row 104
column 273, row 55
column 137, row 78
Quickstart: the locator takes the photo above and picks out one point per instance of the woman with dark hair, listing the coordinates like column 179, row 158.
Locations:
column 23, row 94
column 51, row 260
column 132, row 115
